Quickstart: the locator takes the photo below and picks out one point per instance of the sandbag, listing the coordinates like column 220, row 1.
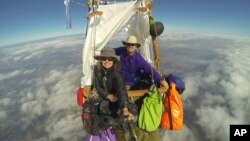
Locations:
column 151, row 111
column 172, row 118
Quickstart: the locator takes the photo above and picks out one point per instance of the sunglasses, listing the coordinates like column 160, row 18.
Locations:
column 106, row 58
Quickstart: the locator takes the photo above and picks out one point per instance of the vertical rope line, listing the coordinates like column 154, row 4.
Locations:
column 94, row 43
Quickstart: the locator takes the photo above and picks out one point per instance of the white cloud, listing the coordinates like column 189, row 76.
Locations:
column 5, row 101
column 39, row 94
column 192, row 85
column 53, row 92
column 42, row 94
column 210, row 99
column 32, row 109
column 8, row 75
column 33, row 54
column 184, row 134
column 4, row 76
column 69, row 128
column 37, row 49
column 3, row 115
column 214, row 121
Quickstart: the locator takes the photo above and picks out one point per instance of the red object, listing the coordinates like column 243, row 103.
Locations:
column 80, row 97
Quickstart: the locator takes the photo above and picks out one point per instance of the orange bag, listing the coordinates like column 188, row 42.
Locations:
column 172, row 117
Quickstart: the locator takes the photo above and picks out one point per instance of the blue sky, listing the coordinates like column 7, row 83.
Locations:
column 32, row 19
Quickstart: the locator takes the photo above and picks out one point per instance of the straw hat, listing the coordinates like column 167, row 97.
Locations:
column 131, row 40
column 106, row 52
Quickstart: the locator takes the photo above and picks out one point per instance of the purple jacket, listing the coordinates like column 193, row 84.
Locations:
column 132, row 64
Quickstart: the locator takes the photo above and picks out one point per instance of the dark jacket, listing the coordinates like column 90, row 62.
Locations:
column 110, row 82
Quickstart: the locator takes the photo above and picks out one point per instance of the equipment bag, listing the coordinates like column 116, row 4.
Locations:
column 80, row 97
column 180, row 85
column 151, row 111
column 86, row 115
column 172, row 118
column 90, row 116
column 104, row 135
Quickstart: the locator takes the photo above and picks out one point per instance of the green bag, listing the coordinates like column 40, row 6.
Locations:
column 151, row 111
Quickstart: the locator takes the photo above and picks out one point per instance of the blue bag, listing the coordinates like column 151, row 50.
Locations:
column 180, row 85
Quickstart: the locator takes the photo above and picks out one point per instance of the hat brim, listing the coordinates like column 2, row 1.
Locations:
column 126, row 43
column 99, row 57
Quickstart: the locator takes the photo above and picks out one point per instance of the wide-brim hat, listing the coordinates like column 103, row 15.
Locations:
column 106, row 52
column 131, row 40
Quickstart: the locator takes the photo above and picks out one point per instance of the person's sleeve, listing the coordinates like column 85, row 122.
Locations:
column 118, row 51
column 120, row 89
column 148, row 68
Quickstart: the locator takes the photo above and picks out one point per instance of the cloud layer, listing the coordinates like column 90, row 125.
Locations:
column 38, row 89
column 38, row 83
column 215, row 70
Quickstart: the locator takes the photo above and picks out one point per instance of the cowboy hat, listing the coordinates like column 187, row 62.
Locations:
column 106, row 52
column 131, row 40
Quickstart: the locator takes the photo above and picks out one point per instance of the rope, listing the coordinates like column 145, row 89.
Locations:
column 151, row 57
column 151, row 54
column 94, row 35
